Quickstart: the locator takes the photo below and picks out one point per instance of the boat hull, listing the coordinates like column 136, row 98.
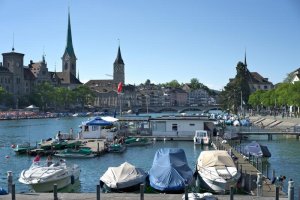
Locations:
column 49, row 186
column 70, row 155
column 201, row 141
column 216, row 186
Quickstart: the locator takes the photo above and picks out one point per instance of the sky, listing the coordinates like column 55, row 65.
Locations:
column 160, row 40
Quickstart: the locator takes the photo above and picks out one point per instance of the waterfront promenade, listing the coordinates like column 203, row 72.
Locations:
column 120, row 196
column 275, row 122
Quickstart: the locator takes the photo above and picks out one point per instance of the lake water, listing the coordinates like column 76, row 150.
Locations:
column 285, row 153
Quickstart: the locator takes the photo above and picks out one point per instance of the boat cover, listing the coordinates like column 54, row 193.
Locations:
column 256, row 149
column 126, row 175
column 215, row 158
column 97, row 121
column 170, row 170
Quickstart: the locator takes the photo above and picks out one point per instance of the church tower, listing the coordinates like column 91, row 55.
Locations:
column 119, row 74
column 69, row 58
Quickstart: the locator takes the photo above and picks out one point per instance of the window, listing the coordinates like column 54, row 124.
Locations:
column 66, row 66
column 174, row 127
column 192, row 124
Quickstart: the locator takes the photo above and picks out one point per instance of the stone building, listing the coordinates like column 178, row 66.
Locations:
column 256, row 81
column 19, row 80
column 67, row 76
column 106, row 90
column 15, row 78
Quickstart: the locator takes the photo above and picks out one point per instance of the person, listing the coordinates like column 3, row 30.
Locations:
column 279, row 181
column 71, row 133
column 49, row 160
column 37, row 158
column 59, row 136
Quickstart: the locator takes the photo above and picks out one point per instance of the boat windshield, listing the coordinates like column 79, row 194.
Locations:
column 201, row 134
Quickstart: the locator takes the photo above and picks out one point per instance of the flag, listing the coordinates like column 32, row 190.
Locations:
column 120, row 86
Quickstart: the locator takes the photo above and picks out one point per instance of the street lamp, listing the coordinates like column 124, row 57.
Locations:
column 147, row 101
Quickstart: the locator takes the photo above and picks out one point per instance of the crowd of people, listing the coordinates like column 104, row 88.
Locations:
column 24, row 115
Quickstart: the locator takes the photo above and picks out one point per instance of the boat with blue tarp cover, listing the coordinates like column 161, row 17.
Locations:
column 257, row 150
column 170, row 171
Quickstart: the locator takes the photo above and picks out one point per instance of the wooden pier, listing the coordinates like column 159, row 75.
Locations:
column 249, row 173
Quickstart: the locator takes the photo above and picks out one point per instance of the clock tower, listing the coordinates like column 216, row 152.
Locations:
column 119, row 74
column 69, row 58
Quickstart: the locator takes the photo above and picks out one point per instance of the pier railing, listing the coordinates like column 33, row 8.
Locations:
column 255, row 173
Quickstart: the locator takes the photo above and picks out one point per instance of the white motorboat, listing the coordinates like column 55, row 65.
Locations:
column 42, row 178
column 217, row 171
column 201, row 137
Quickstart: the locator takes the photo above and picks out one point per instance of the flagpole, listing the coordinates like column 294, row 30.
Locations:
column 241, row 101
column 120, row 104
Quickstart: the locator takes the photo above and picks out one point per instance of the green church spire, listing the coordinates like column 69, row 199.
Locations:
column 69, row 48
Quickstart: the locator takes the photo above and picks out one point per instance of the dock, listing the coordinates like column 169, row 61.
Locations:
column 120, row 196
column 249, row 173
column 96, row 145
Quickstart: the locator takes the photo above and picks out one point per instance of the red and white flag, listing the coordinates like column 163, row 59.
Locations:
column 120, row 87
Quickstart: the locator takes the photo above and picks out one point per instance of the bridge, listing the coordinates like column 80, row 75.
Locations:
column 158, row 109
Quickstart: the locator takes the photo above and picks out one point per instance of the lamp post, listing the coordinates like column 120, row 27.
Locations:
column 147, row 102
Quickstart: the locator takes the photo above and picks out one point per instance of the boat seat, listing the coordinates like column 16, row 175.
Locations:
column 223, row 172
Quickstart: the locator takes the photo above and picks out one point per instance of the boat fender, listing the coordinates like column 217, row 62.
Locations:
column 72, row 179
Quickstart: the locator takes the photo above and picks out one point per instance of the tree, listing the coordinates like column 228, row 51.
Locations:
column 5, row 97
column 255, row 99
column 83, row 95
column 195, row 84
column 171, row 84
column 237, row 90
column 43, row 95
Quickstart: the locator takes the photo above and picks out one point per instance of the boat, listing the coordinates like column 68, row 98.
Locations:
column 42, row 178
column 201, row 137
column 53, row 144
column 22, row 148
column 75, row 153
column 170, row 171
column 257, row 150
column 116, row 148
column 124, row 178
column 134, row 141
column 217, row 171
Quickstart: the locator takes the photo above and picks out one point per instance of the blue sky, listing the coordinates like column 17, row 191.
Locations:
column 160, row 40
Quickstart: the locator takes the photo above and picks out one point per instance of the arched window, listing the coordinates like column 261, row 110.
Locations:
column 73, row 66
column 66, row 66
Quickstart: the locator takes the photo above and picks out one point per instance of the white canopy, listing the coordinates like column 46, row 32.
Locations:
column 110, row 119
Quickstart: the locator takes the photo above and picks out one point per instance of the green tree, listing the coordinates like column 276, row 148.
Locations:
column 5, row 98
column 195, row 84
column 83, row 95
column 237, row 90
column 43, row 95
